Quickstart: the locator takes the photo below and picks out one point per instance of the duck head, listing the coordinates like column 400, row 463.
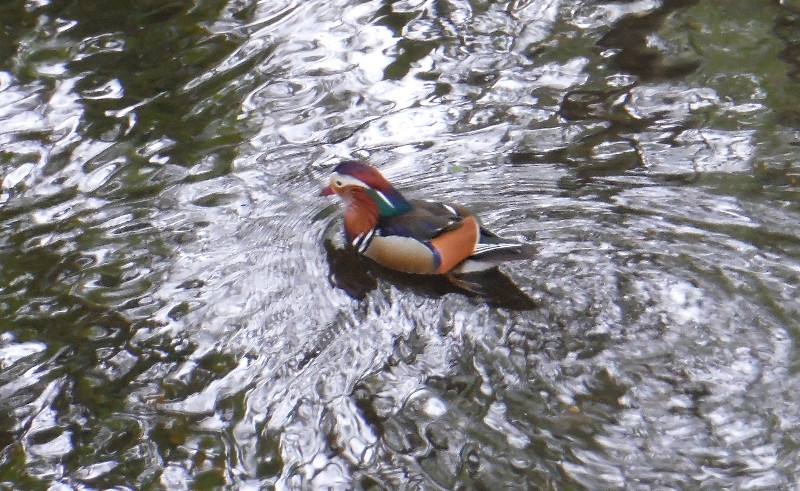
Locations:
column 353, row 180
column 367, row 196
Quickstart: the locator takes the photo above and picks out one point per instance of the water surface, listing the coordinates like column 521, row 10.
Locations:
column 177, row 309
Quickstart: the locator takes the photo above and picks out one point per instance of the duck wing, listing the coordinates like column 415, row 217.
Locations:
column 425, row 221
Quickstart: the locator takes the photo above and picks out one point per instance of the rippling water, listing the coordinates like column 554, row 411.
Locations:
column 177, row 310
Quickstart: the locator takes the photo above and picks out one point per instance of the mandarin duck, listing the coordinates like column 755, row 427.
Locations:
column 414, row 236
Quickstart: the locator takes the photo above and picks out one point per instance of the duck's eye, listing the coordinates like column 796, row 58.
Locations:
column 338, row 183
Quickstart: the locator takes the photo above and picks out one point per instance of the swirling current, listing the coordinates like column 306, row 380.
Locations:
column 178, row 309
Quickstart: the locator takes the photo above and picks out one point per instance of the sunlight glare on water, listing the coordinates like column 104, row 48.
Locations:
column 179, row 310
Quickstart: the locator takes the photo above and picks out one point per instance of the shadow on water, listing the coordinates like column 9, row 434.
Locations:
column 630, row 35
column 357, row 276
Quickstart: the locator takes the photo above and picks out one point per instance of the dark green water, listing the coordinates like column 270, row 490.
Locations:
column 176, row 311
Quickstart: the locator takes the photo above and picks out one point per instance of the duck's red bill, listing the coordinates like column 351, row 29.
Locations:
column 326, row 191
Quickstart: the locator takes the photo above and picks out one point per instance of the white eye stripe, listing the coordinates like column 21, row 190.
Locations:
column 341, row 180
